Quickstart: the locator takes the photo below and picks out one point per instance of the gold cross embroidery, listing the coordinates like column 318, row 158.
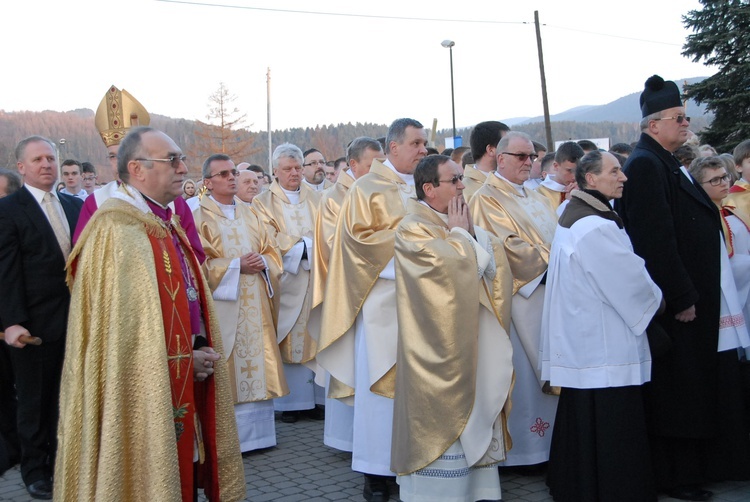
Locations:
column 179, row 356
column 297, row 218
column 234, row 237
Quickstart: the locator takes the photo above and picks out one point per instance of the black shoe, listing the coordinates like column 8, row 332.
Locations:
column 317, row 413
column 376, row 488
column 289, row 417
column 690, row 493
column 41, row 489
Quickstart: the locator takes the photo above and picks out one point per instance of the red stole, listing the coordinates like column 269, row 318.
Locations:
column 179, row 344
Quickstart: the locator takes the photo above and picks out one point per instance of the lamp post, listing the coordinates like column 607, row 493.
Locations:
column 59, row 159
column 449, row 45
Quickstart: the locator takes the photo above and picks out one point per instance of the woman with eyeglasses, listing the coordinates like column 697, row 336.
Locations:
column 732, row 441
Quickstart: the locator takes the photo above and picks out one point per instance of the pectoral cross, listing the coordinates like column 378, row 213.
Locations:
column 179, row 356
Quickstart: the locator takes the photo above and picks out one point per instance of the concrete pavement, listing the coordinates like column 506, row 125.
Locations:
column 301, row 468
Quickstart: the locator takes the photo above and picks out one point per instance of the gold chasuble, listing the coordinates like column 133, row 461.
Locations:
column 362, row 247
column 455, row 369
column 125, row 394
column 526, row 227
column 739, row 200
column 473, row 181
column 288, row 223
column 554, row 198
column 248, row 315
column 325, row 226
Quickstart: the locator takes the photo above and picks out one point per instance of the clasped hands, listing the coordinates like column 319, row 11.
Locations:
column 251, row 263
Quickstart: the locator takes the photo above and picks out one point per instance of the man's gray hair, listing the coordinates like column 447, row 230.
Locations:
column 592, row 162
column 397, row 131
column 130, row 149
column 287, row 150
column 14, row 181
column 648, row 118
column 358, row 146
column 21, row 146
column 505, row 140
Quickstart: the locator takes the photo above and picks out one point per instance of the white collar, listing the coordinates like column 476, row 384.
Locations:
column 408, row 178
column 519, row 188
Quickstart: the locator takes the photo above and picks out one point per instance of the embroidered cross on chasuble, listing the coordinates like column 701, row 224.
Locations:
column 179, row 344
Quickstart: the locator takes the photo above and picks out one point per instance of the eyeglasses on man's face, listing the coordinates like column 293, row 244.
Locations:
column 454, row 180
column 225, row 173
column 679, row 118
column 523, row 156
column 718, row 180
column 320, row 163
column 173, row 160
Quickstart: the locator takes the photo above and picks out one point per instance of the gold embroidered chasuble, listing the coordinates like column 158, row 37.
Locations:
column 116, row 435
column 362, row 247
column 551, row 195
column 248, row 323
column 473, row 181
column 287, row 223
column 455, row 368
column 739, row 200
column 526, row 226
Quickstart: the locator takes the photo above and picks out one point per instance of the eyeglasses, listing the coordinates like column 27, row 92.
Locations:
column 89, row 178
column 523, row 156
column 679, row 118
column 225, row 173
column 718, row 180
column 173, row 160
column 454, row 180
column 320, row 163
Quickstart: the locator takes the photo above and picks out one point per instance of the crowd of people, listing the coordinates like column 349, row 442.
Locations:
column 448, row 315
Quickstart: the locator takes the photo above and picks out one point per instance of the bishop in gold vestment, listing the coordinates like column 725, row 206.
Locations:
column 455, row 358
column 119, row 428
column 247, row 306
column 288, row 209
column 525, row 222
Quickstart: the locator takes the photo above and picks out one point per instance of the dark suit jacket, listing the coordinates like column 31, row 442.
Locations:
column 33, row 267
column 676, row 229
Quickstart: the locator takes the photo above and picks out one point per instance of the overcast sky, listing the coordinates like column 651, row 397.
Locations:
column 356, row 63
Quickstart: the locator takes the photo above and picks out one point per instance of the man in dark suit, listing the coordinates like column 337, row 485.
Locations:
column 676, row 229
column 36, row 225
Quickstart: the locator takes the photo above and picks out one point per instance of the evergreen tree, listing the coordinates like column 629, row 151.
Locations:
column 721, row 38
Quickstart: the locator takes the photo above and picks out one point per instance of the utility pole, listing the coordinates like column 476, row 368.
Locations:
column 268, row 119
column 547, row 123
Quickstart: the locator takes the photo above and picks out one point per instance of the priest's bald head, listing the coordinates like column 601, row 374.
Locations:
column 152, row 163
column 406, row 144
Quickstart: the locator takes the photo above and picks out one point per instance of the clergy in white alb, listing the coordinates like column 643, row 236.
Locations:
column 598, row 303
column 243, row 267
column 288, row 209
column 525, row 222
column 455, row 369
column 359, row 329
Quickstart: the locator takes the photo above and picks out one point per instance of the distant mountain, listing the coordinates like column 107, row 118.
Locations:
column 624, row 109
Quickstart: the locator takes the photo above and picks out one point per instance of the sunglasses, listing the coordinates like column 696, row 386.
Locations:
column 225, row 173
column 454, row 180
column 679, row 118
column 523, row 156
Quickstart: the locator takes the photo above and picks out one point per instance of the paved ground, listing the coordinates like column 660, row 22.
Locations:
column 302, row 468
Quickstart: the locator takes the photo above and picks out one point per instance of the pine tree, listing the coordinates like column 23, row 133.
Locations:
column 721, row 39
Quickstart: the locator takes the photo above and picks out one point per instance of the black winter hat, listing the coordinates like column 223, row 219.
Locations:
column 659, row 95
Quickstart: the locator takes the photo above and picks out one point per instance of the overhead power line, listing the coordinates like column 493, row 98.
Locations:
column 406, row 18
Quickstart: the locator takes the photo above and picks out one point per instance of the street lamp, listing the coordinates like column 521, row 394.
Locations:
column 449, row 45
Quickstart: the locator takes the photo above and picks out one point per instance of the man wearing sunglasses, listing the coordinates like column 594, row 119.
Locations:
column 243, row 267
column 675, row 228
column 359, row 329
column 526, row 222
column 467, row 376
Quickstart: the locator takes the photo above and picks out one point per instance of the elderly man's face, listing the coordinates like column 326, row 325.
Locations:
column 289, row 173
column 671, row 130
column 611, row 180
column 162, row 181
column 510, row 162
column 248, row 186
column 38, row 165
column 314, row 168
